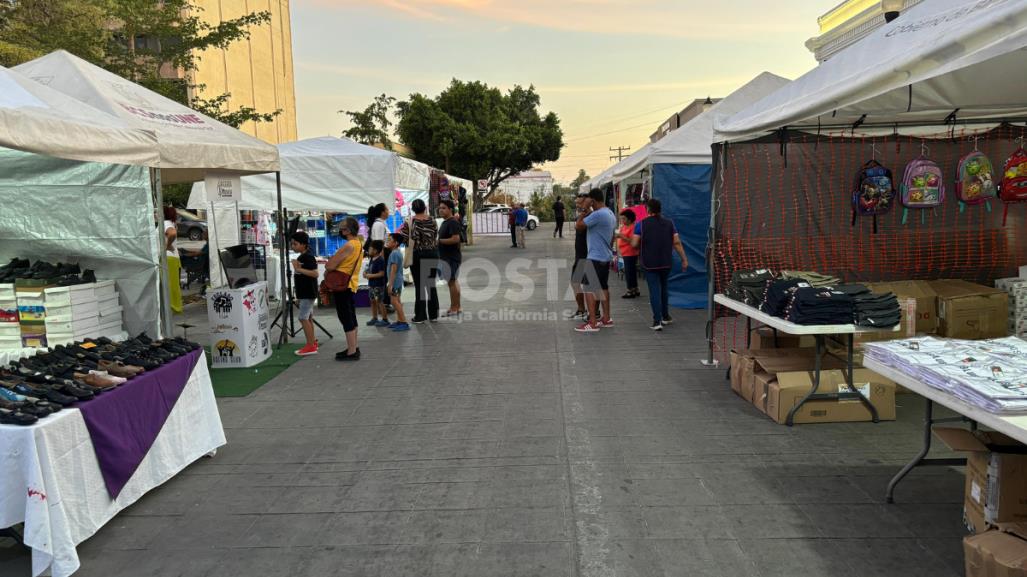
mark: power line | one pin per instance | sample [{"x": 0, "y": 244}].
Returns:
[
  {"x": 591, "y": 136},
  {"x": 633, "y": 116}
]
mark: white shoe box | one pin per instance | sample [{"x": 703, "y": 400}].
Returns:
[
  {"x": 105, "y": 289},
  {"x": 78, "y": 326},
  {"x": 70, "y": 295},
  {"x": 71, "y": 312}
]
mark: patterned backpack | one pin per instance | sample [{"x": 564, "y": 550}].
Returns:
[
  {"x": 975, "y": 183},
  {"x": 874, "y": 194},
  {"x": 1014, "y": 181},
  {"x": 922, "y": 186}
]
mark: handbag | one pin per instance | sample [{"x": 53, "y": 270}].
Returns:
[
  {"x": 338, "y": 281},
  {"x": 408, "y": 256}
]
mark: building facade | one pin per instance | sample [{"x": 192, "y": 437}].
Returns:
[
  {"x": 258, "y": 72},
  {"x": 679, "y": 119},
  {"x": 523, "y": 185},
  {"x": 846, "y": 24}
]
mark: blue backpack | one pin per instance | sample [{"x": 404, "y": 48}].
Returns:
[{"x": 874, "y": 192}]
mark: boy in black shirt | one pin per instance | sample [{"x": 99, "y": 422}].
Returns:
[
  {"x": 305, "y": 282},
  {"x": 449, "y": 254}
]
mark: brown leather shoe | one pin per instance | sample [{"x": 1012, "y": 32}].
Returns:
[
  {"x": 94, "y": 380},
  {"x": 119, "y": 369}
]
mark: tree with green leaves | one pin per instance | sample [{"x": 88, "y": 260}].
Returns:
[
  {"x": 480, "y": 132},
  {"x": 372, "y": 125},
  {"x": 582, "y": 178},
  {"x": 541, "y": 205}
]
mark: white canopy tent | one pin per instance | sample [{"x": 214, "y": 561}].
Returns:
[
  {"x": 190, "y": 143},
  {"x": 34, "y": 118},
  {"x": 930, "y": 65},
  {"x": 633, "y": 164},
  {"x": 325, "y": 173}
]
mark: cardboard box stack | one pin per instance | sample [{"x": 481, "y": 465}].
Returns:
[
  {"x": 1001, "y": 552},
  {"x": 996, "y": 477},
  {"x": 1016, "y": 288},
  {"x": 10, "y": 330},
  {"x": 71, "y": 313},
  {"x": 775, "y": 380},
  {"x": 31, "y": 312}
]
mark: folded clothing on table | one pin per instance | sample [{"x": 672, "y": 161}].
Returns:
[
  {"x": 749, "y": 286},
  {"x": 815, "y": 279},
  {"x": 778, "y": 294},
  {"x": 820, "y": 306},
  {"x": 877, "y": 310}
]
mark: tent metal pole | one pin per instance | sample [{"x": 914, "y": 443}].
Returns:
[
  {"x": 715, "y": 179},
  {"x": 283, "y": 288},
  {"x": 166, "y": 328}
]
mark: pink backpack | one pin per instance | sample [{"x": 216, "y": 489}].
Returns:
[{"x": 922, "y": 186}]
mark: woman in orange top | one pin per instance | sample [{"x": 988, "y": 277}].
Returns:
[
  {"x": 348, "y": 260},
  {"x": 628, "y": 252}
]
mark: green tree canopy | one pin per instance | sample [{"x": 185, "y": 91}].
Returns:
[
  {"x": 582, "y": 178},
  {"x": 479, "y": 132},
  {"x": 372, "y": 124}
]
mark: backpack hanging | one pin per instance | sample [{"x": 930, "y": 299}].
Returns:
[
  {"x": 975, "y": 181},
  {"x": 874, "y": 192},
  {"x": 922, "y": 186},
  {"x": 1014, "y": 181}
]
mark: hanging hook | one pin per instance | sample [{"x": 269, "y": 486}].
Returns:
[
  {"x": 924, "y": 149},
  {"x": 873, "y": 150},
  {"x": 975, "y": 138}
]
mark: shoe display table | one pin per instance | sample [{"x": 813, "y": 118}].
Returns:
[
  {"x": 51, "y": 477},
  {"x": 820, "y": 333}
]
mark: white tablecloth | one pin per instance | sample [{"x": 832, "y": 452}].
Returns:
[{"x": 50, "y": 479}]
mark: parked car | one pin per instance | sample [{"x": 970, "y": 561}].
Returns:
[
  {"x": 503, "y": 209},
  {"x": 190, "y": 225}
]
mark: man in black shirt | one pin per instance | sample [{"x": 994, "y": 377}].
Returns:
[
  {"x": 305, "y": 283},
  {"x": 449, "y": 253},
  {"x": 559, "y": 210}
]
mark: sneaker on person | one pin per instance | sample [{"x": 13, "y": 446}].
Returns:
[
  {"x": 579, "y": 315},
  {"x": 307, "y": 351},
  {"x": 399, "y": 327},
  {"x": 586, "y": 328},
  {"x": 607, "y": 324},
  {"x": 372, "y": 323},
  {"x": 667, "y": 320},
  {"x": 383, "y": 324},
  {"x": 657, "y": 326}
]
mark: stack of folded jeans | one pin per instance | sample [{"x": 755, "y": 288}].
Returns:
[
  {"x": 814, "y": 279},
  {"x": 820, "y": 306},
  {"x": 779, "y": 294},
  {"x": 880, "y": 311},
  {"x": 749, "y": 286}
]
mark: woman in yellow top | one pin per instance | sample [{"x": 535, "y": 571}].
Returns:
[{"x": 348, "y": 260}]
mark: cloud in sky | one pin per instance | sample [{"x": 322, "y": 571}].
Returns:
[{"x": 613, "y": 70}]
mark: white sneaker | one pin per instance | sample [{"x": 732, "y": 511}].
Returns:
[{"x": 657, "y": 327}]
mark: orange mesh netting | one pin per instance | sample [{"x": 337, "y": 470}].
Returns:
[{"x": 790, "y": 208}]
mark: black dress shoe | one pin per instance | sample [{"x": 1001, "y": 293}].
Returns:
[
  {"x": 8, "y": 417},
  {"x": 345, "y": 356}
]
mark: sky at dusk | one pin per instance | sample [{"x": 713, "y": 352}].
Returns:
[{"x": 613, "y": 70}]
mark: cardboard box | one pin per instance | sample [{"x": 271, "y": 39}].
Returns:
[
  {"x": 792, "y": 387},
  {"x": 996, "y": 477},
  {"x": 761, "y": 390},
  {"x": 763, "y": 338},
  {"x": 971, "y": 311},
  {"x": 926, "y": 309},
  {"x": 997, "y": 553},
  {"x": 745, "y": 365}
]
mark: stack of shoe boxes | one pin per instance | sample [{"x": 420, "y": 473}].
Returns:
[
  {"x": 109, "y": 304},
  {"x": 1017, "y": 290},
  {"x": 72, "y": 313},
  {"x": 10, "y": 330},
  {"x": 32, "y": 311}
]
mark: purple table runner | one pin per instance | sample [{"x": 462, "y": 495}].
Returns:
[{"x": 124, "y": 423}]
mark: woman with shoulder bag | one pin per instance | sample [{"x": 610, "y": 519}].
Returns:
[
  {"x": 423, "y": 234},
  {"x": 341, "y": 279}
]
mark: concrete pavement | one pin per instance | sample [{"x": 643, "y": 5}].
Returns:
[{"x": 518, "y": 447}]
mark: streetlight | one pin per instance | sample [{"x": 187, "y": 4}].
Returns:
[{"x": 891, "y": 9}]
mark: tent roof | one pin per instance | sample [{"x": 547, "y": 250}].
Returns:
[
  {"x": 632, "y": 164},
  {"x": 34, "y": 118},
  {"x": 691, "y": 144},
  {"x": 190, "y": 143},
  {"x": 324, "y": 173},
  {"x": 937, "y": 57}
]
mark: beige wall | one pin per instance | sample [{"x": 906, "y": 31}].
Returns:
[{"x": 257, "y": 72}]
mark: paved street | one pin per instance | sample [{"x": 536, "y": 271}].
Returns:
[{"x": 518, "y": 447}]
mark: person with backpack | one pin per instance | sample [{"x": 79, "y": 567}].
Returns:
[{"x": 657, "y": 239}]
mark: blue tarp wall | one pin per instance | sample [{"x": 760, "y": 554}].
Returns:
[{"x": 684, "y": 190}]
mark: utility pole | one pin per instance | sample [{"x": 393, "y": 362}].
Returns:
[{"x": 620, "y": 150}]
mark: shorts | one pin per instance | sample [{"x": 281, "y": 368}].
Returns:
[
  {"x": 377, "y": 293},
  {"x": 596, "y": 273},
  {"x": 306, "y": 309},
  {"x": 449, "y": 270},
  {"x": 398, "y": 290}
]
